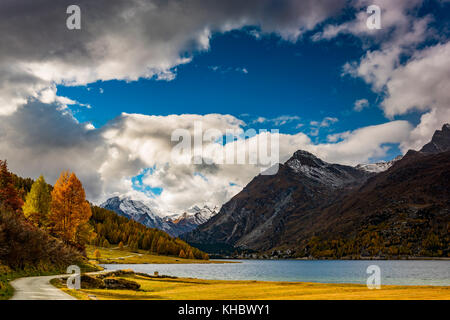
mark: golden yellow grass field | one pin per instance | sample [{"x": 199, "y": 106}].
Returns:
[
  {"x": 115, "y": 255},
  {"x": 197, "y": 289}
]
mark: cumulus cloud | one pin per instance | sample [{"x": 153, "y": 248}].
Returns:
[
  {"x": 364, "y": 144},
  {"x": 422, "y": 84}
]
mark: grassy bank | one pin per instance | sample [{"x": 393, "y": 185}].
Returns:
[
  {"x": 153, "y": 288},
  {"x": 124, "y": 256}
]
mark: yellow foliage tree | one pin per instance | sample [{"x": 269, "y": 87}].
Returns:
[
  {"x": 70, "y": 211},
  {"x": 97, "y": 254},
  {"x": 37, "y": 204}
]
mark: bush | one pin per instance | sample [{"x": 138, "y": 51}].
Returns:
[
  {"x": 117, "y": 273},
  {"x": 121, "y": 284},
  {"x": 97, "y": 254},
  {"x": 88, "y": 282}
]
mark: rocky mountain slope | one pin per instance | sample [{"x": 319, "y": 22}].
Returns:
[{"x": 312, "y": 208}]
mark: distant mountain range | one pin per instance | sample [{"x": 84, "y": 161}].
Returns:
[
  {"x": 311, "y": 208},
  {"x": 175, "y": 225}
]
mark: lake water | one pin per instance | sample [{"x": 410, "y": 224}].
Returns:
[{"x": 404, "y": 272}]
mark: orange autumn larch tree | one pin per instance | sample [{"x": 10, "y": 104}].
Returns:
[
  {"x": 9, "y": 197},
  {"x": 70, "y": 211}
]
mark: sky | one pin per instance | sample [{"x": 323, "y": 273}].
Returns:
[{"x": 103, "y": 101}]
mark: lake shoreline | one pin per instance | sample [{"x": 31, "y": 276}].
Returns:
[{"x": 345, "y": 259}]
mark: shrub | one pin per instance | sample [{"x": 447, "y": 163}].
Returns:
[
  {"x": 97, "y": 254},
  {"x": 88, "y": 282},
  {"x": 121, "y": 284}
]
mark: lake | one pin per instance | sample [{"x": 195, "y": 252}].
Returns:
[{"x": 399, "y": 272}]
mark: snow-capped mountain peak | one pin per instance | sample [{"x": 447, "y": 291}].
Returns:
[
  {"x": 334, "y": 175},
  {"x": 378, "y": 166},
  {"x": 197, "y": 215},
  {"x": 136, "y": 210},
  {"x": 174, "y": 225}
]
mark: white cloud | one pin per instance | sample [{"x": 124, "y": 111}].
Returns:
[
  {"x": 224, "y": 70},
  {"x": 423, "y": 83},
  {"x": 316, "y": 125},
  {"x": 282, "y": 120},
  {"x": 278, "y": 121},
  {"x": 364, "y": 144},
  {"x": 361, "y": 104}
]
